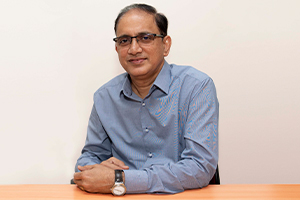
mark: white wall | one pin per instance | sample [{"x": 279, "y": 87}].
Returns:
[{"x": 54, "y": 54}]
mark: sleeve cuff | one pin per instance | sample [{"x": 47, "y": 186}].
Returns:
[{"x": 136, "y": 181}]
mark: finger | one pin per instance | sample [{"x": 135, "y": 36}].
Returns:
[
  {"x": 79, "y": 184},
  {"x": 86, "y": 167},
  {"x": 81, "y": 187},
  {"x": 120, "y": 165},
  {"x": 77, "y": 176},
  {"x": 114, "y": 163},
  {"x": 77, "y": 181}
]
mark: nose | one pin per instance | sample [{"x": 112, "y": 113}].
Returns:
[{"x": 134, "y": 47}]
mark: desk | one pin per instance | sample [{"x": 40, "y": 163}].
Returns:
[{"x": 219, "y": 192}]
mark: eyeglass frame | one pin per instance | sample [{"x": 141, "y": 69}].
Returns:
[{"x": 153, "y": 34}]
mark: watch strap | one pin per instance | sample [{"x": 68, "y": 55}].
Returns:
[{"x": 119, "y": 176}]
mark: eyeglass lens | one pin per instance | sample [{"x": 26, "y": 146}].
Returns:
[{"x": 141, "y": 39}]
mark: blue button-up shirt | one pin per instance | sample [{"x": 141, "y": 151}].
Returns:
[{"x": 169, "y": 139}]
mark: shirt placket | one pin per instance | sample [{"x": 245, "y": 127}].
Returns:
[{"x": 145, "y": 119}]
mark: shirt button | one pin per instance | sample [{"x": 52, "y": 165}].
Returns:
[
  {"x": 150, "y": 155},
  {"x": 147, "y": 130},
  {"x": 143, "y": 104}
]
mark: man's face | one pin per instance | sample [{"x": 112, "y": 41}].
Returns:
[{"x": 141, "y": 61}]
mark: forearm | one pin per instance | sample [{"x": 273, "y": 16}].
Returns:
[
  {"x": 194, "y": 170},
  {"x": 86, "y": 159},
  {"x": 97, "y": 146},
  {"x": 169, "y": 178}
]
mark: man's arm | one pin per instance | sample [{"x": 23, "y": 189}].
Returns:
[
  {"x": 93, "y": 153},
  {"x": 95, "y": 167},
  {"x": 199, "y": 158},
  {"x": 99, "y": 177}
]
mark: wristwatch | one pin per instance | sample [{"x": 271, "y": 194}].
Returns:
[{"x": 119, "y": 188}]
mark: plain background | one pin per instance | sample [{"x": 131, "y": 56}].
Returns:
[{"x": 54, "y": 54}]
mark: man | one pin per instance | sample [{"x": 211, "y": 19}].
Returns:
[{"x": 153, "y": 129}]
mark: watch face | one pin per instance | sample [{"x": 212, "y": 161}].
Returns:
[{"x": 119, "y": 190}]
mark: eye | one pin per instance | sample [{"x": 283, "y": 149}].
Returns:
[
  {"x": 123, "y": 40},
  {"x": 146, "y": 37}
]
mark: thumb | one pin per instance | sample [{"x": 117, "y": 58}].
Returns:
[
  {"x": 120, "y": 164},
  {"x": 86, "y": 167}
]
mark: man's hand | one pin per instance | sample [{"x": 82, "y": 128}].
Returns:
[
  {"x": 114, "y": 164},
  {"x": 100, "y": 177}
]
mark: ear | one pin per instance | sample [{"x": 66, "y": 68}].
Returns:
[
  {"x": 167, "y": 45},
  {"x": 116, "y": 48}
]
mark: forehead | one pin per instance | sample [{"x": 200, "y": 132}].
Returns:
[{"x": 136, "y": 21}]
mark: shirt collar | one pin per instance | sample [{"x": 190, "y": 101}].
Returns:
[
  {"x": 162, "y": 81},
  {"x": 126, "y": 89}
]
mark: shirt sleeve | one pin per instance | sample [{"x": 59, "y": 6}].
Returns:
[
  {"x": 97, "y": 145},
  {"x": 198, "y": 160}
]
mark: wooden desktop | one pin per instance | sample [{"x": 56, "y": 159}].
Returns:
[{"x": 219, "y": 192}]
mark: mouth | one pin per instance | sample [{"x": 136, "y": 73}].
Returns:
[{"x": 137, "y": 60}]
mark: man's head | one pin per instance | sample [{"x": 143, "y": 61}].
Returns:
[{"x": 142, "y": 41}]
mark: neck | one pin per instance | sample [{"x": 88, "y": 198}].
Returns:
[
  {"x": 141, "y": 87},
  {"x": 141, "y": 84}
]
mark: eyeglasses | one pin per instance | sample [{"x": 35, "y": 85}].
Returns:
[{"x": 142, "y": 39}]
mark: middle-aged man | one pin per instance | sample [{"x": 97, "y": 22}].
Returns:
[{"x": 153, "y": 129}]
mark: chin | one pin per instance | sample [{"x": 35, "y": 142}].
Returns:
[
  {"x": 138, "y": 73},
  {"x": 136, "y": 70}
]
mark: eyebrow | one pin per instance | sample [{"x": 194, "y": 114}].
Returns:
[{"x": 135, "y": 35}]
